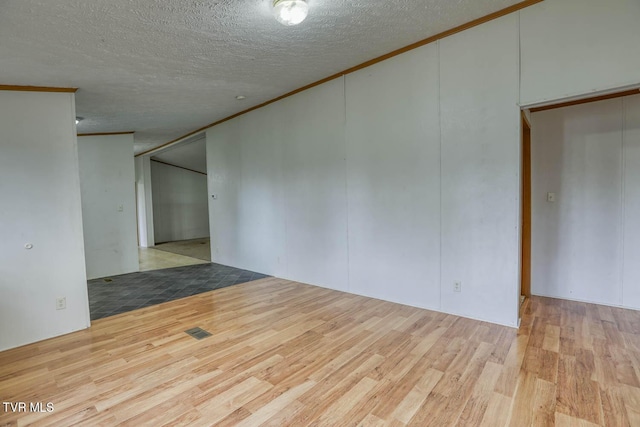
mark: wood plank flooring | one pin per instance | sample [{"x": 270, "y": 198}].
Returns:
[{"x": 286, "y": 354}]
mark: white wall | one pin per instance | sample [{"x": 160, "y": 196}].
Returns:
[
  {"x": 340, "y": 186},
  {"x": 631, "y": 199},
  {"x": 480, "y": 123},
  {"x": 575, "y": 47},
  {"x": 179, "y": 203},
  {"x": 393, "y": 170},
  {"x": 40, "y": 193},
  {"x": 144, "y": 201},
  {"x": 107, "y": 181},
  {"x": 313, "y": 173},
  {"x": 279, "y": 177},
  {"x": 432, "y": 171},
  {"x": 585, "y": 245}
]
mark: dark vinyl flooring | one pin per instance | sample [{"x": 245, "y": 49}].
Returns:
[{"x": 127, "y": 292}]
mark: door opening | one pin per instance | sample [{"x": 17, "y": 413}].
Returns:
[{"x": 525, "y": 262}]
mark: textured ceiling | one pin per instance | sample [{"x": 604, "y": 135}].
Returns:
[
  {"x": 163, "y": 68},
  {"x": 189, "y": 154}
]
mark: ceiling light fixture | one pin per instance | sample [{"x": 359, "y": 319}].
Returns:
[
  {"x": 290, "y": 12},
  {"x": 240, "y": 97},
  {"x": 79, "y": 119}
]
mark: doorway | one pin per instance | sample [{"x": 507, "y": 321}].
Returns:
[
  {"x": 180, "y": 207},
  {"x": 525, "y": 262}
]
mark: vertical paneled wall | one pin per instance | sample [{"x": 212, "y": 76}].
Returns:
[
  {"x": 480, "y": 170},
  {"x": 586, "y": 243},
  {"x": 223, "y": 182},
  {"x": 341, "y": 185},
  {"x": 107, "y": 178},
  {"x": 144, "y": 201},
  {"x": 575, "y": 47},
  {"x": 179, "y": 203},
  {"x": 278, "y": 177},
  {"x": 408, "y": 179},
  {"x": 631, "y": 198},
  {"x": 260, "y": 204},
  {"x": 393, "y": 179},
  {"x": 40, "y": 206},
  {"x": 313, "y": 173}
]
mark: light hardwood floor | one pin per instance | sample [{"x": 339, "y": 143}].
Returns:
[
  {"x": 287, "y": 354},
  {"x": 194, "y": 248},
  {"x": 153, "y": 259}
]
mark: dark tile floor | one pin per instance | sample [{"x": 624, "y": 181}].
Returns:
[{"x": 136, "y": 290}]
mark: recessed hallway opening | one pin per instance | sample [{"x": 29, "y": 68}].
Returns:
[
  {"x": 584, "y": 206},
  {"x": 175, "y": 254}
]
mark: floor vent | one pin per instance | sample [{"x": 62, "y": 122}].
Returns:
[{"x": 198, "y": 333}]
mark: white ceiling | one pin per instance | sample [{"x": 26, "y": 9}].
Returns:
[
  {"x": 163, "y": 68},
  {"x": 190, "y": 154}
]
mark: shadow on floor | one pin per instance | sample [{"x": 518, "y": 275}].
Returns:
[{"x": 127, "y": 292}]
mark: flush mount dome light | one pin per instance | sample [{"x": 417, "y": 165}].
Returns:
[{"x": 290, "y": 12}]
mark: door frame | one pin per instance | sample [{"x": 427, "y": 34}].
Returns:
[{"x": 525, "y": 250}]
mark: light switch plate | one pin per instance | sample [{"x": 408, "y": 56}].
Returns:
[{"x": 551, "y": 197}]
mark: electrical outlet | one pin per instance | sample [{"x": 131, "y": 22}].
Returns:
[
  {"x": 457, "y": 287},
  {"x": 61, "y": 303}
]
